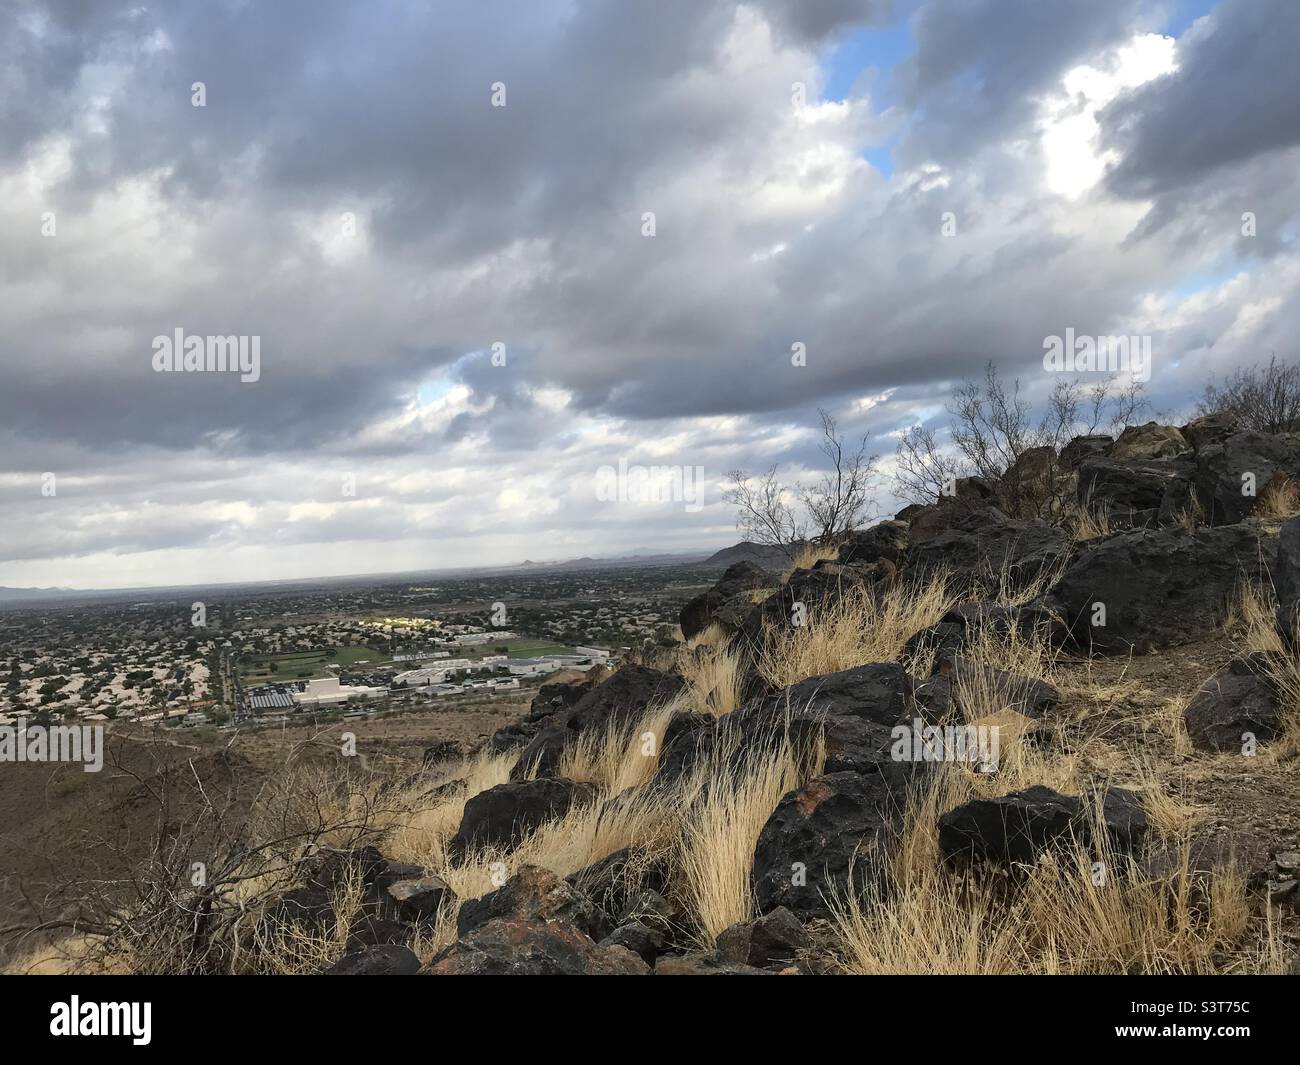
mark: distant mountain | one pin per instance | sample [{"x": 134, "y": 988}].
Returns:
[
  {"x": 772, "y": 558},
  {"x": 34, "y": 593}
]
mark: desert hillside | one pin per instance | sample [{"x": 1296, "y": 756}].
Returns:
[{"x": 965, "y": 740}]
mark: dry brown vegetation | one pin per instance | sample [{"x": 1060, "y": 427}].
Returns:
[{"x": 1082, "y": 910}]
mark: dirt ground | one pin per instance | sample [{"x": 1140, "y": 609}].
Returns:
[{"x": 50, "y": 814}]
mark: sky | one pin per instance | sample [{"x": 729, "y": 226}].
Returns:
[{"x": 527, "y": 280}]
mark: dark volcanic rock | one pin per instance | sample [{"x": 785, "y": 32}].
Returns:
[
  {"x": 642, "y": 940},
  {"x": 519, "y": 947},
  {"x": 1156, "y": 587},
  {"x": 875, "y": 692},
  {"x": 814, "y": 836},
  {"x": 1142, "y": 443},
  {"x": 942, "y": 639},
  {"x": 984, "y": 542},
  {"x": 773, "y": 939},
  {"x": 962, "y": 688},
  {"x": 620, "y": 699},
  {"x": 387, "y": 960},
  {"x": 738, "y": 579},
  {"x": 532, "y": 894},
  {"x": 1210, "y": 429},
  {"x": 1135, "y": 493},
  {"x": 888, "y": 540},
  {"x": 1239, "y": 701},
  {"x": 310, "y": 906},
  {"x": 614, "y": 882},
  {"x": 1232, "y": 474},
  {"x": 1084, "y": 447},
  {"x": 1016, "y": 827},
  {"x": 851, "y": 712},
  {"x": 420, "y": 899},
  {"x": 502, "y": 816},
  {"x": 1287, "y": 578},
  {"x": 624, "y": 697}
]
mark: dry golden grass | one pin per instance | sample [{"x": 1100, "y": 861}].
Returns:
[
  {"x": 1083, "y": 910},
  {"x": 619, "y": 757},
  {"x": 727, "y": 800},
  {"x": 1252, "y": 621},
  {"x": 862, "y": 627},
  {"x": 1279, "y": 500},
  {"x": 76, "y": 954},
  {"x": 421, "y": 833},
  {"x": 714, "y": 635},
  {"x": 714, "y": 679},
  {"x": 1089, "y": 522},
  {"x": 809, "y": 555}
]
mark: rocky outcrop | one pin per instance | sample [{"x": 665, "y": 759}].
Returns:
[
  {"x": 1142, "y": 443},
  {"x": 1136, "y": 493},
  {"x": 1016, "y": 827},
  {"x": 834, "y": 826},
  {"x": 984, "y": 542},
  {"x": 1232, "y": 473},
  {"x": 736, "y": 582},
  {"x": 502, "y": 816},
  {"x": 1236, "y": 706},
  {"x": 1151, "y": 588},
  {"x": 619, "y": 699},
  {"x": 774, "y": 939}
]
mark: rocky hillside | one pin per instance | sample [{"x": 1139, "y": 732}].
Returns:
[{"x": 969, "y": 739}]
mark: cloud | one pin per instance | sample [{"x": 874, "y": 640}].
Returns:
[{"x": 457, "y": 304}]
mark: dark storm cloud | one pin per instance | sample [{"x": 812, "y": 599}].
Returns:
[
  {"x": 523, "y": 225},
  {"x": 1233, "y": 98}
]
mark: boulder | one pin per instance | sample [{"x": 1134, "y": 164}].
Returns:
[
  {"x": 614, "y": 882},
  {"x": 962, "y": 689},
  {"x": 642, "y": 940},
  {"x": 1084, "y": 447},
  {"x": 875, "y": 692},
  {"x": 1017, "y": 827},
  {"x": 624, "y": 697},
  {"x": 1287, "y": 576},
  {"x": 834, "y": 823},
  {"x": 386, "y": 960},
  {"x": 984, "y": 542},
  {"x": 775, "y": 938},
  {"x": 1135, "y": 493},
  {"x": 620, "y": 699},
  {"x": 532, "y": 894},
  {"x": 736, "y": 580},
  {"x": 1141, "y": 443},
  {"x": 520, "y": 947},
  {"x": 1210, "y": 429},
  {"x": 419, "y": 900},
  {"x": 888, "y": 540},
  {"x": 1149, "y": 588},
  {"x": 964, "y": 621},
  {"x": 850, "y": 713},
  {"x": 1239, "y": 701},
  {"x": 502, "y": 816},
  {"x": 1232, "y": 474}
]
